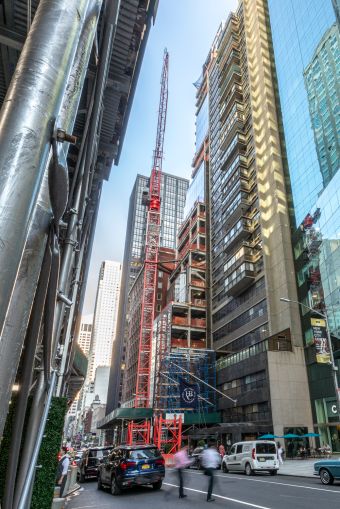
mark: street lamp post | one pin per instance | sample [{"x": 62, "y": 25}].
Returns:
[{"x": 334, "y": 367}]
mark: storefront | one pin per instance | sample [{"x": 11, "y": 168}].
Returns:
[{"x": 328, "y": 423}]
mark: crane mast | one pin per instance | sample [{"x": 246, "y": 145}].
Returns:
[{"x": 151, "y": 250}]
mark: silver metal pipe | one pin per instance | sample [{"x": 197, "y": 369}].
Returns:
[
  {"x": 26, "y": 120},
  {"x": 18, "y": 314},
  {"x": 68, "y": 118},
  {"x": 27, "y": 487},
  {"x": 35, "y": 416},
  {"x": 89, "y": 159}
]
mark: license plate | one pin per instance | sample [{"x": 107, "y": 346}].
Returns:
[
  {"x": 262, "y": 459},
  {"x": 145, "y": 467}
]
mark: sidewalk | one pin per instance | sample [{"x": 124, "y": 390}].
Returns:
[{"x": 301, "y": 468}]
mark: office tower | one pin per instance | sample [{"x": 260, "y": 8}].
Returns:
[
  {"x": 173, "y": 192},
  {"x": 105, "y": 316},
  {"x": 259, "y": 347},
  {"x": 305, "y": 37},
  {"x": 85, "y": 333}
]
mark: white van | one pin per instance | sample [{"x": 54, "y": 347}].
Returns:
[{"x": 251, "y": 457}]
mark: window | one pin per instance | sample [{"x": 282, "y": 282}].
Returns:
[{"x": 239, "y": 449}]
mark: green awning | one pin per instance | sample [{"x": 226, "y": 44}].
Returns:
[
  {"x": 201, "y": 418},
  {"x": 130, "y": 414}
]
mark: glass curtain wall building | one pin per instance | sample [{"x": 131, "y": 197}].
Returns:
[
  {"x": 258, "y": 347},
  {"x": 173, "y": 193},
  {"x": 305, "y": 36}
]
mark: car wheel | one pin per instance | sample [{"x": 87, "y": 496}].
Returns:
[
  {"x": 115, "y": 488},
  {"x": 99, "y": 483},
  {"x": 248, "y": 470},
  {"x": 157, "y": 485},
  {"x": 273, "y": 472},
  {"x": 326, "y": 477},
  {"x": 224, "y": 468}
]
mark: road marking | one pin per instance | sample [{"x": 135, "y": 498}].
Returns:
[
  {"x": 226, "y": 476},
  {"x": 220, "y": 496}
]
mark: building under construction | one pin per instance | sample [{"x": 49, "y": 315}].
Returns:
[{"x": 195, "y": 366}]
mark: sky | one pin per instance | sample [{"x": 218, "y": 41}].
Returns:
[{"x": 187, "y": 29}]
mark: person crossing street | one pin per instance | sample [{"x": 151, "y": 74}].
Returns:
[
  {"x": 182, "y": 461},
  {"x": 210, "y": 461}
]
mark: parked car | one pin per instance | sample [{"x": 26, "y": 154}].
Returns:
[
  {"x": 328, "y": 470},
  {"x": 195, "y": 458},
  {"x": 88, "y": 464},
  {"x": 250, "y": 457},
  {"x": 131, "y": 465}
]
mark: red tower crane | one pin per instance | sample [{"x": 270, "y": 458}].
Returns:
[{"x": 151, "y": 250}]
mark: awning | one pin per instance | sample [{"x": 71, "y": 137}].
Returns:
[{"x": 129, "y": 414}]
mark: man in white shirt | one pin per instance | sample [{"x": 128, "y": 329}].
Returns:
[
  {"x": 210, "y": 460},
  {"x": 63, "y": 465}
]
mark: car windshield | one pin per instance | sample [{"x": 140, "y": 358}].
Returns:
[
  {"x": 265, "y": 449},
  {"x": 144, "y": 454},
  {"x": 99, "y": 453}
]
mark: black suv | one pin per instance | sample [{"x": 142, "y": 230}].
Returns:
[
  {"x": 131, "y": 465},
  {"x": 88, "y": 465}
]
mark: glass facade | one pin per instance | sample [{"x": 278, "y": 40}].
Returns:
[
  {"x": 297, "y": 30},
  {"x": 195, "y": 190},
  {"x": 202, "y": 122},
  {"x": 322, "y": 77},
  {"x": 306, "y": 47}
]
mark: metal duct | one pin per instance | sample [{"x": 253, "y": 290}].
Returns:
[{"x": 26, "y": 120}]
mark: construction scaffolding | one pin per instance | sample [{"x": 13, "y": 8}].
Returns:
[{"x": 174, "y": 367}]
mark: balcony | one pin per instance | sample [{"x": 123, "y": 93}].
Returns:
[
  {"x": 239, "y": 280},
  {"x": 179, "y": 343},
  {"x": 198, "y": 283},
  {"x": 237, "y": 210},
  {"x": 241, "y": 231},
  {"x": 229, "y": 130},
  {"x": 198, "y": 322},
  {"x": 234, "y": 75},
  {"x": 180, "y": 320},
  {"x": 198, "y": 344},
  {"x": 200, "y": 303},
  {"x": 199, "y": 265},
  {"x": 183, "y": 234}
]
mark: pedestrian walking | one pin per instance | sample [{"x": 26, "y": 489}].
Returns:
[
  {"x": 221, "y": 450},
  {"x": 210, "y": 461},
  {"x": 182, "y": 461},
  {"x": 63, "y": 465},
  {"x": 279, "y": 453}
]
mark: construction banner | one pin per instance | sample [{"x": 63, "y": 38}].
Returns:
[
  {"x": 321, "y": 340},
  {"x": 188, "y": 394}
]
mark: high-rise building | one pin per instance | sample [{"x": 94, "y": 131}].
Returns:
[
  {"x": 306, "y": 48},
  {"x": 173, "y": 192},
  {"x": 85, "y": 333},
  {"x": 105, "y": 316},
  {"x": 259, "y": 347}
]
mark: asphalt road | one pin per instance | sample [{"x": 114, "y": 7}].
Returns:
[{"x": 230, "y": 491}]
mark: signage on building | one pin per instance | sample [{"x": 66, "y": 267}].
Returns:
[
  {"x": 332, "y": 410},
  {"x": 188, "y": 394},
  {"x": 320, "y": 340}
]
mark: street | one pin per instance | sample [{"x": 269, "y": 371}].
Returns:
[{"x": 230, "y": 490}]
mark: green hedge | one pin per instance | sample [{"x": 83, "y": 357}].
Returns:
[
  {"x": 5, "y": 445},
  {"x": 48, "y": 456}
]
